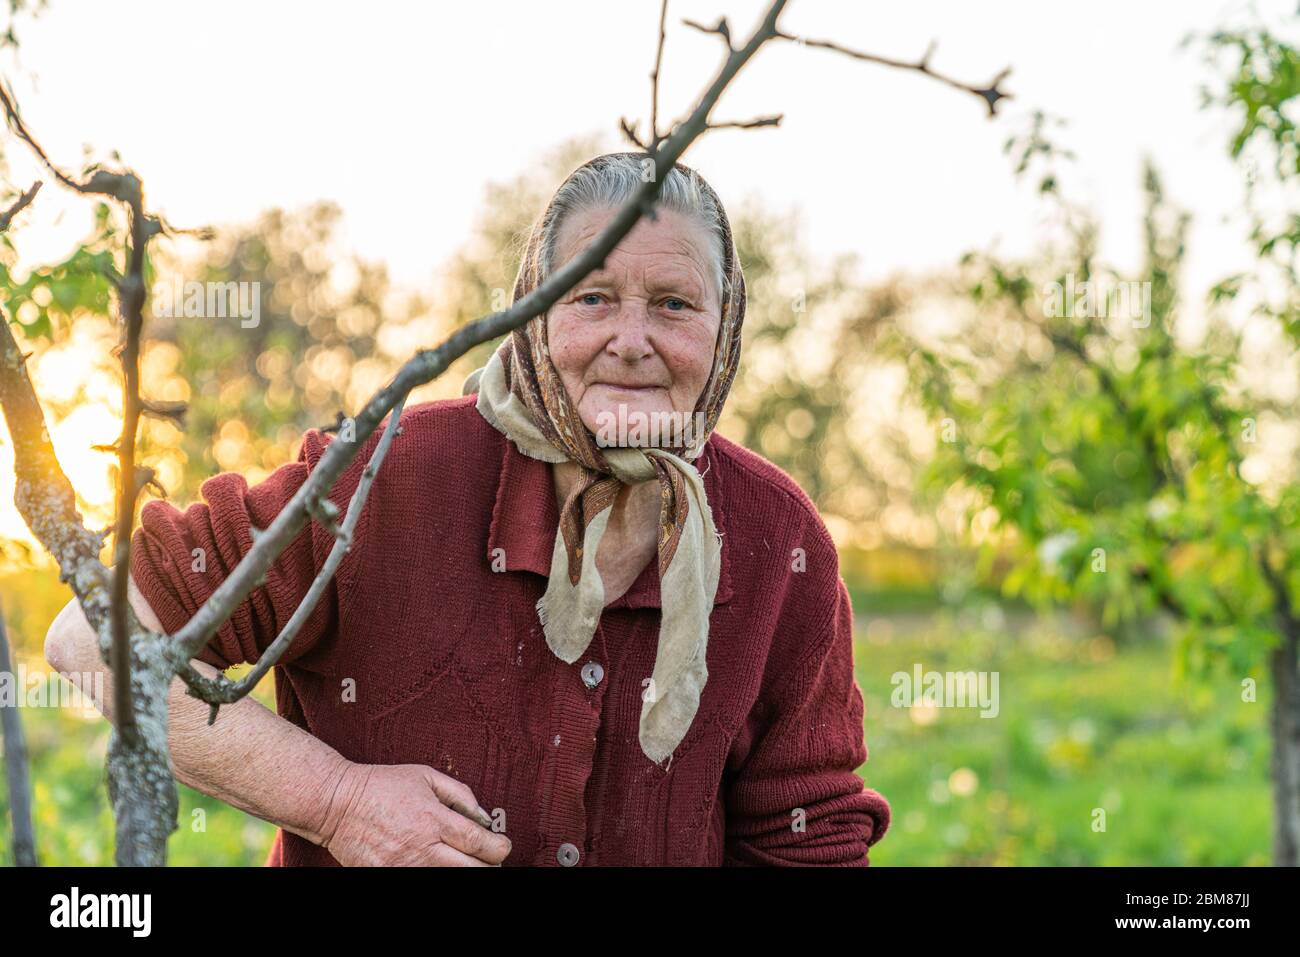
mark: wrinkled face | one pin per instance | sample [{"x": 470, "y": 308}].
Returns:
[{"x": 640, "y": 332}]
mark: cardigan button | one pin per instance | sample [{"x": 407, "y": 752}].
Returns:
[
  {"x": 592, "y": 672},
  {"x": 567, "y": 855}
]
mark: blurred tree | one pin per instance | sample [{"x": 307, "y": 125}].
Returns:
[
  {"x": 1123, "y": 465},
  {"x": 1261, "y": 87},
  {"x": 313, "y": 352},
  {"x": 808, "y": 395},
  {"x": 479, "y": 278}
]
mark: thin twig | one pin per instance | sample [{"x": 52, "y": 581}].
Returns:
[
  {"x": 991, "y": 94},
  {"x": 220, "y": 690},
  {"x": 654, "y": 77},
  {"x": 630, "y": 132},
  {"x": 131, "y": 298},
  {"x": 749, "y": 124},
  {"x": 123, "y": 186},
  {"x": 721, "y": 28},
  {"x": 16, "y": 773},
  {"x": 22, "y": 203}
]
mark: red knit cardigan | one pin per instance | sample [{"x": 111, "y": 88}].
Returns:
[{"x": 432, "y": 620}]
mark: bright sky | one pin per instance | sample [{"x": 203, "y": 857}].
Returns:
[{"x": 402, "y": 113}]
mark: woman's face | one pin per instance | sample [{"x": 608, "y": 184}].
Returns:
[{"x": 639, "y": 333}]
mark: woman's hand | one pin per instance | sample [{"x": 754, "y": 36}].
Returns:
[{"x": 409, "y": 815}]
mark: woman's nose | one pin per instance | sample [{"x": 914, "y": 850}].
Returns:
[{"x": 631, "y": 339}]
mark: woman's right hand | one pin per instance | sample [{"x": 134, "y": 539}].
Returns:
[{"x": 409, "y": 815}]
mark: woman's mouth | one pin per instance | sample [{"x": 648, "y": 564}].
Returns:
[{"x": 633, "y": 389}]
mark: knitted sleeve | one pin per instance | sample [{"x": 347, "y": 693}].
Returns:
[
  {"x": 178, "y": 558},
  {"x": 798, "y": 799}
]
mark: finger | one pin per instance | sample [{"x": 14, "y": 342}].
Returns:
[
  {"x": 443, "y": 855},
  {"x": 458, "y": 797},
  {"x": 469, "y": 809},
  {"x": 466, "y": 836}
]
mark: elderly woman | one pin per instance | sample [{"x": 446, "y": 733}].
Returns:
[{"x": 552, "y": 642}]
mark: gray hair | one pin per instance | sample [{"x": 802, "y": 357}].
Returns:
[{"x": 612, "y": 183}]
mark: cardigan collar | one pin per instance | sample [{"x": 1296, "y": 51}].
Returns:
[{"x": 526, "y": 519}]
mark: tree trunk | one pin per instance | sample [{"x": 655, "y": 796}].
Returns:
[
  {"x": 15, "y": 748},
  {"x": 1286, "y": 750},
  {"x": 140, "y": 782}
]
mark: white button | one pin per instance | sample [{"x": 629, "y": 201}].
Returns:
[
  {"x": 567, "y": 855},
  {"x": 592, "y": 672}
]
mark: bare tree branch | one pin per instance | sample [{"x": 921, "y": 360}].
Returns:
[
  {"x": 654, "y": 76},
  {"x": 221, "y": 690},
  {"x": 992, "y": 94},
  {"x": 721, "y": 28},
  {"x": 43, "y": 494},
  {"x": 15, "y": 748},
  {"x": 22, "y": 203},
  {"x": 774, "y": 120},
  {"x": 630, "y": 132},
  {"x": 127, "y": 189},
  {"x": 122, "y": 186},
  {"x": 427, "y": 365},
  {"x": 628, "y": 128},
  {"x": 131, "y": 299},
  {"x": 140, "y": 784}
]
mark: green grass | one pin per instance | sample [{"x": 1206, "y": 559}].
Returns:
[
  {"x": 1180, "y": 770},
  {"x": 72, "y": 819},
  {"x": 73, "y": 822}
]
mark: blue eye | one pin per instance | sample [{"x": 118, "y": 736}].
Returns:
[
  {"x": 590, "y": 295},
  {"x": 681, "y": 303}
]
